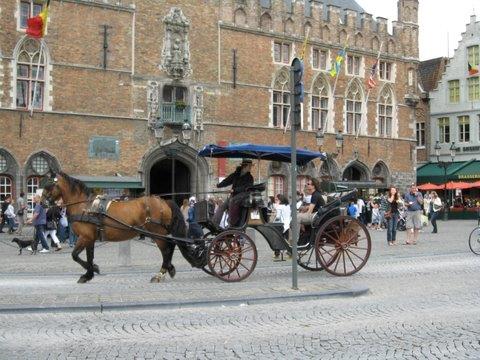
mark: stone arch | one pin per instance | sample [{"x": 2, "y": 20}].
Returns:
[
  {"x": 307, "y": 29},
  {"x": 375, "y": 43},
  {"x": 386, "y": 119},
  {"x": 280, "y": 170},
  {"x": 240, "y": 17},
  {"x": 321, "y": 103},
  {"x": 342, "y": 37},
  {"x": 329, "y": 170},
  {"x": 356, "y": 171},
  {"x": 391, "y": 46},
  {"x": 198, "y": 166},
  {"x": 266, "y": 22},
  {"x": 40, "y": 163},
  {"x": 359, "y": 40},
  {"x": 381, "y": 173},
  {"x": 354, "y": 97},
  {"x": 31, "y": 52},
  {"x": 8, "y": 163},
  {"x": 325, "y": 33},
  {"x": 289, "y": 26}
]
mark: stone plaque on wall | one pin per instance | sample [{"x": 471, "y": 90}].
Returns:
[{"x": 104, "y": 147}]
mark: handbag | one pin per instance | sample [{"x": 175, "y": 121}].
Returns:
[
  {"x": 388, "y": 214},
  {"x": 51, "y": 225}
]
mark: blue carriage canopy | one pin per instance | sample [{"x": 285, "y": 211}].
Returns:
[{"x": 260, "y": 152}]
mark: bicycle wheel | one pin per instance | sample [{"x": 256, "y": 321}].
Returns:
[{"x": 474, "y": 241}]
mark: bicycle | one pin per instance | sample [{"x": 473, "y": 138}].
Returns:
[{"x": 474, "y": 240}]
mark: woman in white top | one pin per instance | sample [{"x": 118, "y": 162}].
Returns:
[
  {"x": 283, "y": 215},
  {"x": 10, "y": 215},
  {"x": 437, "y": 206}
]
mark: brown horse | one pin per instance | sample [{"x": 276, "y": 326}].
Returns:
[{"x": 149, "y": 213}]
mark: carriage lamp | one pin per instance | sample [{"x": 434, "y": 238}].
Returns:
[
  {"x": 339, "y": 140},
  {"x": 320, "y": 137},
  {"x": 186, "y": 131}
]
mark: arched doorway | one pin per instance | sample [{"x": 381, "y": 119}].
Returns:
[
  {"x": 170, "y": 176},
  {"x": 174, "y": 168},
  {"x": 355, "y": 171}
]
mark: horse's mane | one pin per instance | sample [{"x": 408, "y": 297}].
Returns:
[{"x": 75, "y": 184}]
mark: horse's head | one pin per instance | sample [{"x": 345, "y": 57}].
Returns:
[{"x": 51, "y": 190}]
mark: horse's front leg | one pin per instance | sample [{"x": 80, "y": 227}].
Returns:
[
  {"x": 88, "y": 265},
  {"x": 166, "y": 249}
]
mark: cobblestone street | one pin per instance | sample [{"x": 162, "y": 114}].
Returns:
[{"x": 422, "y": 304}]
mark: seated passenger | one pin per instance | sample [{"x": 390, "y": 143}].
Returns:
[
  {"x": 307, "y": 213},
  {"x": 241, "y": 179}
]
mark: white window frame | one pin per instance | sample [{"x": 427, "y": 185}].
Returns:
[
  {"x": 420, "y": 133},
  {"x": 464, "y": 129},
  {"x": 443, "y": 126},
  {"x": 276, "y": 185},
  {"x": 353, "y": 65},
  {"x": 282, "y": 46},
  {"x": 385, "y": 70}
]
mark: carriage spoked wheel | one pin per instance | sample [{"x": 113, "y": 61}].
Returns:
[
  {"x": 232, "y": 256},
  {"x": 474, "y": 241},
  {"x": 208, "y": 236},
  {"x": 343, "y": 245},
  {"x": 307, "y": 259}
]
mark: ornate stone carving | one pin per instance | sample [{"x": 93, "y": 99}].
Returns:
[
  {"x": 176, "y": 53},
  {"x": 198, "y": 108},
  {"x": 152, "y": 101}
]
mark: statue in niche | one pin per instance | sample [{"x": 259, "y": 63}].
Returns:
[{"x": 176, "y": 53}]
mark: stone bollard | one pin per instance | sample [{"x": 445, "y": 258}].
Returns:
[{"x": 124, "y": 253}]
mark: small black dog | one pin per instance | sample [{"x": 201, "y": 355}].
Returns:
[{"x": 22, "y": 244}]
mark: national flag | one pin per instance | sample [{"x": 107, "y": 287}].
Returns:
[
  {"x": 472, "y": 70},
  {"x": 37, "y": 25},
  {"x": 336, "y": 65},
  {"x": 371, "y": 83}
]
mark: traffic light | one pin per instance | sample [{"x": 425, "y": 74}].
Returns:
[{"x": 297, "y": 71}]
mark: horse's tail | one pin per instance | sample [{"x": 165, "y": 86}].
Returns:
[{"x": 178, "y": 227}]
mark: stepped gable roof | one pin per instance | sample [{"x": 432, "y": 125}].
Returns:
[{"x": 431, "y": 71}]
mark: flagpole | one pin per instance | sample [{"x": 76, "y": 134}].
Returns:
[
  {"x": 32, "y": 99},
  {"x": 364, "y": 113},
  {"x": 330, "y": 113}
]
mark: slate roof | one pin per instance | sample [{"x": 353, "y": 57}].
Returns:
[
  {"x": 344, "y": 4},
  {"x": 430, "y": 72}
]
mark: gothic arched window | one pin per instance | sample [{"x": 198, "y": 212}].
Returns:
[
  {"x": 30, "y": 74},
  {"x": 354, "y": 108},
  {"x": 281, "y": 99},
  {"x": 319, "y": 103},
  {"x": 385, "y": 112}
]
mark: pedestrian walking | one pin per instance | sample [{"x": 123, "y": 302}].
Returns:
[
  {"x": 4, "y": 207},
  {"x": 427, "y": 204},
  {"x": 436, "y": 207},
  {"x": 413, "y": 202},
  {"x": 9, "y": 215},
  {"x": 283, "y": 215},
  {"x": 53, "y": 217},
  {"x": 361, "y": 210},
  {"x": 391, "y": 215},
  {"x": 194, "y": 229},
  {"x": 39, "y": 221},
  {"x": 62, "y": 229},
  {"x": 21, "y": 209}
]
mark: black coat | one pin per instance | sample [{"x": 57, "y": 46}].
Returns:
[{"x": 240, "y": 183}]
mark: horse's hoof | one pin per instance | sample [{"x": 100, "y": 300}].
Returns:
[
  {"x": 96, "y": 269},
  {"x": 156, "y": 279},
  {"x": 82, "y": 280},
  {"x": 172, "y": 272}
]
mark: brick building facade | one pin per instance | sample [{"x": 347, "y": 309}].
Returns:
[{"x": 119, "y": 79}]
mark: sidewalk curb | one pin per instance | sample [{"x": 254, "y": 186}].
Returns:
[{"x": 115, "y": 306}]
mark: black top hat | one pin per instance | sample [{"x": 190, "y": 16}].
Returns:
[{"x": 246, "y": 162}]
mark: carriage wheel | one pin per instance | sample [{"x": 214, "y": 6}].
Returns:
[
  {"x": 307, "y": 259},
  {"x": 474, "y": 241},
  {"x": 343, "y": 245},
  {"x": 208, "y": 237},
  {"x": 232, "y": 256}
]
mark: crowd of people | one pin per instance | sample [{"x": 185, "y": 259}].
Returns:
[{"x": 49, "y": 223}]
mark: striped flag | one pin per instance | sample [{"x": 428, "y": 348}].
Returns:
[
  {"x": 37, "y": 25},
  {"x": 371, "y": 83}
]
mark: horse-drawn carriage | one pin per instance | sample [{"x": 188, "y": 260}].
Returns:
[{"x": 339, "y": 244}]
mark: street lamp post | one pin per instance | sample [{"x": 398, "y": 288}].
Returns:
[{"x": 445, "y": 165}]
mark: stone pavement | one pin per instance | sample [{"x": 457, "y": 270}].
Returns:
[{"x": 48, "y": 281}]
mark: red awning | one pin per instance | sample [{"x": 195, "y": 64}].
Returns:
[
  {"x": 453, "y": 185},
  {"x": 430, "y": 186}
]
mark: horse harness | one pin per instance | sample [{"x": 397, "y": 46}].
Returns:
[{"x": 97, "y": 213}]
